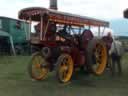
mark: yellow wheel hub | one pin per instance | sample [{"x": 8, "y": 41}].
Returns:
[{"x": 64, "y": 68}]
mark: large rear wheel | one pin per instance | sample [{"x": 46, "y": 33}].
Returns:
[
  {"x": 38, "y": 67},
  {"x": 64, "y": 68},
  {"x": 97, "y": 56}
]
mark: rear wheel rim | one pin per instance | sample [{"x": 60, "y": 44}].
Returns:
[{"x": 100, "y": 55}]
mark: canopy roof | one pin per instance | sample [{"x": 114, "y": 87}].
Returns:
[
  {"x": 126, "y": 13},
  {"x": 35, "y": 14}
]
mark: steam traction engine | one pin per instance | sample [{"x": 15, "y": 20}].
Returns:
[{"x": 61, "y": 42}]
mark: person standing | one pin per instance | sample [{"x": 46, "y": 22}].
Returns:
[
  {"x": 108, "y": 39},
  {"x": 116, "y": 52}
]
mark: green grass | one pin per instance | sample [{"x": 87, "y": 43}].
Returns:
[{"x": 15, "y": 81}]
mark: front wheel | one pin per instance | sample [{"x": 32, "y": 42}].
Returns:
[
  {"x": 64, "y": 68},
  {"x": 38, "y": 67}
]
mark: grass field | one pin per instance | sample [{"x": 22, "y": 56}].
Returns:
[{"x": 15, "y": 81}]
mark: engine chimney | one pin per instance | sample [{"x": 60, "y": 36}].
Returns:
[{"x": 53, "y": 4}]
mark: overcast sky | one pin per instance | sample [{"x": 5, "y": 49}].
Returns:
[{"x": 101, "y": 9}]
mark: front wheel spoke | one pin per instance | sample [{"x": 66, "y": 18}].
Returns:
[
  {"x": 97, "y": 50},
  {"x": 43, "y": 71},
  {"x": 64, "y": 61},
  {"x": 63, "y": 71},
  {"x": 98, "y": 61},
  {"x": 37, "y": 60},
  {"x": 99, "y": 47},
  {"x": 37, "y": 66},
  {"x": 64, "y": 74}
]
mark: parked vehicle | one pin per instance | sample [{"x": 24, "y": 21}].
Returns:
[{"x": 18, "y": 30}]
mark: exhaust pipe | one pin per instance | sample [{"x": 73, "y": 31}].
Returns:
[{"x": 53, "y": 4}]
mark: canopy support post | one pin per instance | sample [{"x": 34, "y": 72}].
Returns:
[
  {"x": 103, "y": 31},
  {"x": 45, "y": 30},
  {"x": 41, "y": 33},
  {"x": 99, "y": 31},
  {"x": 29, "y": 28}
]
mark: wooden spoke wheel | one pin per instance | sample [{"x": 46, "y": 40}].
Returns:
[
  {"x": 64, "y": 68},
  {"x": 97, "y": 56},
  {"x": 38, "y": 67}
]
